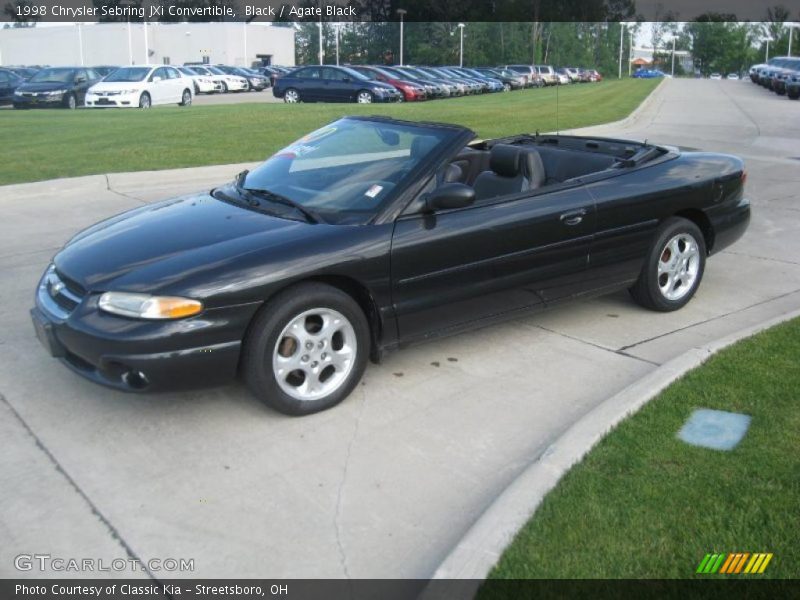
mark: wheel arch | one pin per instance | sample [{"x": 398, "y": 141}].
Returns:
[
  {"x": 699, "y": 218},
  {"x": 353, "y": 288}
]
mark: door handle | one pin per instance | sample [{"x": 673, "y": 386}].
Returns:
[{"x": 573, "y": 217}]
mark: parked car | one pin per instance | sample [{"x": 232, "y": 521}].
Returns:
[
  {"x": 203, "y": 83},
  {"x": 104, "y": 70},
  {"x": 141, "y": 86},
  {"x": 547, "y": 73},
  {"x": 532, "y": 77},
  {"x": 448, "y": 88},
  {"x": 432, "y": 88},
  {"x": 563, "y": 76},
  {"x": 228, "y": 82},
  {"x": 732, "y": 77},
  {"x": 594, "y": 75},
  {"x": 24, "y": 72},
  {"x": 715, "y": 76},
  {"x": 332, "y": 84},
  {"x": 782, "y": 71},
  {"x": 793, "y": 86},
  {"x": 9, "y": 82},
  {"x": 647, "y": 73},
  {"x": 494, "y": 84},
  {"x": 409, "y": 90},
  {"x": 370, "y": 234},
  {"x": 510, "y": 79},
  {"x": 253, "y": 81},
  {"x": 55, "y": 87}
]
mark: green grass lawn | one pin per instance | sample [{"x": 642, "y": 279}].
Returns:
[
  {"x": 643, "y": 504},
  {"x": 45, "y": 144}
]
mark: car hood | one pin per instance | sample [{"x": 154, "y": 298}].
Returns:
[
  {"x": 156, "y": 247},
  {"x": 43, "y": 87}
]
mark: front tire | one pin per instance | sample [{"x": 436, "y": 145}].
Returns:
[
  {"x": 306, "y": 349},
  {"x": 186, "y": 98},
  {"x": 364, "y": 97},
  {"x": 291, "y": 96},
  {"x": 71, "y": 102},
  {"x": 674, "y": 267},
  {"x": 145, "y": 101},
  {"x": 224, "y": 88}
]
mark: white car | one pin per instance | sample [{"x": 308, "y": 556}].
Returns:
[
  {"x": 229, "y": 83},
  {"x": 733, "y": 77},
  {"x": 141, "y": 86},
  {"x": 715, "y": 76},
  {"x": 203, "y": 84}
]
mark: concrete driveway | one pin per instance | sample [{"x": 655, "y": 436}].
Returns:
[{"x": 386, "y": 483}]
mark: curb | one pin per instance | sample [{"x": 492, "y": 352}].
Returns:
[{"x": 481, "y": 547}]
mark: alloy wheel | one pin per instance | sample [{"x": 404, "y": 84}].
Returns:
[
  {"x": 314, "y": 354},
  {"x": 678, "y": 266},
  {"x": 291, "y": 96},
  {"x": 364, "y": 98}
]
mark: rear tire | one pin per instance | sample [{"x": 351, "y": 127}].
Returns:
[
  {"x": 291, "y": 96},
  {"x": 306, "y": 350},
  {"x": 673, "y": 268}
]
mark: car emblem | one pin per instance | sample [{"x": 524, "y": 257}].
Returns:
[{"x": 55, "y": 288}]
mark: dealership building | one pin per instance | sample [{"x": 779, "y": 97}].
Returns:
[{"x": 229, "y": 43}]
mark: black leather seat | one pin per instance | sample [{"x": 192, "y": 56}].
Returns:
[{"x": 514, "y": 169}]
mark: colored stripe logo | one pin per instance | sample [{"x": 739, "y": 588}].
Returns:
[{"x": 734, "y": 563}]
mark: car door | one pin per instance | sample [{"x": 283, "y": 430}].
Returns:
[
  {"x": 308, "y": 83},
  {"x": 459, "y": 266},
  {"x": 176, "y": 84},
  {"x": 338, "y": 86},
  {"x": 159, "y": 86},
  {"x": 5, "y": 87}
]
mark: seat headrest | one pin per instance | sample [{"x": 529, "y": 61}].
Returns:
[
  {"x": 504, "y": 160},
  {"x": 452, "y": 174},
  {"x": 511, "y": 161}
]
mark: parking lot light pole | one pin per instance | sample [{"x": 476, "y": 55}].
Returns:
[
  {"x": 80, "y": 42},
  {"x": 630, "y": 50},
  {"x": 461, "y": 46},
  {"x": 622, "y": 27},
  {"x": 791, "y": 27},
  {"x": 402, "y": 12},
  {"x": 336, "y": 30},
  {"x": 766, "y": 55},
  {"x": 673, "y": 38}
]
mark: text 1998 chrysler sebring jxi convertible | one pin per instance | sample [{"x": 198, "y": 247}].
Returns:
[{"x": 372, "y": 233}]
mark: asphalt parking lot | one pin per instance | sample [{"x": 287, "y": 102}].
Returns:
[
  {"x": 385, "y": 484},
  {"x": 236, "y": 98}
]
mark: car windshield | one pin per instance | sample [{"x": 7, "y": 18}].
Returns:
[
  {"x": 348, "y": 170},
  {"x": 187, "y": 71},
  {"x": 54, "y": 76},
  {"x": 216, "y": 71},
  {"x": 128, "y": 74},
  {"x": 199, "y": 70}
]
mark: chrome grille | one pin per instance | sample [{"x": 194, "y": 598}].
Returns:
[{"x": 59, "y": 295}]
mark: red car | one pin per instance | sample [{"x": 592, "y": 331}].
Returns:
[
  {"x": 594, "y": 75},
  {"x": 412, "y": 92}
]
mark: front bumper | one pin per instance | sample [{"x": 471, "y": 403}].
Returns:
[
  {"x": 135, "y": 355},
  {"x": 128, "y": 100},
  {"x": 34, "y": 100}
]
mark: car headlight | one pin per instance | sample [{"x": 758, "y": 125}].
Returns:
[
  {"x": 144, "y": 306},
  {"x": 57, "y": 93},
  {"x": 17, "y": 93}
]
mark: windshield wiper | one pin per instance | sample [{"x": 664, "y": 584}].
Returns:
[{"x": 310, "y": 215}]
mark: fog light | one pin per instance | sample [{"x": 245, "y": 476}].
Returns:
[{"x": 135, "y": 379}]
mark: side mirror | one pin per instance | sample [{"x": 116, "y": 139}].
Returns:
[
  {"x": 80, "y": 79},
  {"x": 450, "y": 195}
]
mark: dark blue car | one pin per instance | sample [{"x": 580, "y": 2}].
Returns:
[
  {"x": 332, "y": 84},
  {"x": 648, "y": 74}
]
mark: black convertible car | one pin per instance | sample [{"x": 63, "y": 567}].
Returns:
[{"x": 372, "y": 233}]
